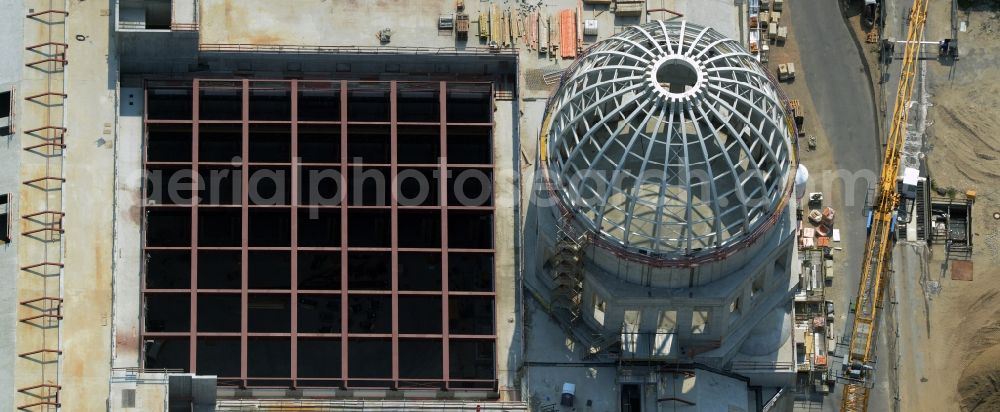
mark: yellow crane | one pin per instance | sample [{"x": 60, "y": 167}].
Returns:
[{"x": 859, "y": 362}]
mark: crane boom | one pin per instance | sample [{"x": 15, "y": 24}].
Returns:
[{"x": 878, "y": 246}]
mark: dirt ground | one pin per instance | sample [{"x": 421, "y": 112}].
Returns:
[{"x": 964, "y": 143}]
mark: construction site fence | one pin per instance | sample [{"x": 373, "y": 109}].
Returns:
[{"x": 374, "y": 50}]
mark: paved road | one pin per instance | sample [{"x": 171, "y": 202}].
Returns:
[{"x": 843, "y": 102}]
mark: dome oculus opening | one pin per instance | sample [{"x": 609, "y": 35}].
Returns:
[{"x": 676, "y": 75}]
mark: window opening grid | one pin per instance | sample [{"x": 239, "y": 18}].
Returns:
[{"x": 281, "y": 273}]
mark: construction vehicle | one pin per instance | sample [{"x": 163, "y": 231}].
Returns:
[
  {"x": 948, "y": 48},
  {"x": 859, "y": 361},
  {"x": 871, "y": 12}
]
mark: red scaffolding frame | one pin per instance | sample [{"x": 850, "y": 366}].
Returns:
[
  {"x": 45, "y": 226},
  {"x": 348, "y": 127}
]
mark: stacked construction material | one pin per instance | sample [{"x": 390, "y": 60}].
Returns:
[{"x": 567, "y": 33}]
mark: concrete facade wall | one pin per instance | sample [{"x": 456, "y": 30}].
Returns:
[
  {"x": 650, "y": 301},
  {"x": 11, "y": 40},
  {"x": 165, "y": 53},
  {"x": 670, "y": 277},
  {"x": 740, "y": 296},
  {"x": 128, "y": 219},
  {"x": 157, "y": 54},
  {"x": 508, "y": 311},
  {"x": 11, "y": 47}
]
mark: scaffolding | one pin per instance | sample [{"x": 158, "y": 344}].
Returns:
[
  {"x": 567, "y": 272},
  {"x": 40, "y": 307},
  {"x": 565, "y": 97}
]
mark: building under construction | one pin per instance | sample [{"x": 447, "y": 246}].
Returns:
[
  {"x": 220, "y": 205},
  {"x": 668, "y": 240}
]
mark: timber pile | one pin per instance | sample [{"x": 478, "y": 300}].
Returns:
[
  {"x": 553, "y": 34},
  {"x": 567, "y": 33}
]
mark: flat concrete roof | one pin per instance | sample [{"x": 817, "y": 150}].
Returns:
[
  {"x": 89, "y": 198},
  {"x": 327, "y": 23},
  {"x": 90, "y": 194},
  {"x": 414, "y": 23}
]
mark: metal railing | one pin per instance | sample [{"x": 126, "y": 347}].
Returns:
[
  {"x": 774, "y": 400},
  {"x": 301, "y": 49},
  {"x": 184, "y": 26},
  {"x": 366, "y": 405},
  {"x": 41, "y": 306},
  {"x": 763, "y": 366},
  {"x": 134, "y": 374},
  {"x": 135, "y": 25}
]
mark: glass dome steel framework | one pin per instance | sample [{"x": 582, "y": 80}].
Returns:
[{"x": 671, "y": 141}]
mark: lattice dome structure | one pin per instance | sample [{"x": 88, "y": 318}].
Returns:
[{"x": 670, "y": 140}]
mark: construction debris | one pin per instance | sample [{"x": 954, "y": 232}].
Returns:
[
  {"x": 484, "y": 26},
  {"x": 384, "y": 35},
  {"x": 552, "y": 77},
  {"x": 629, "y": 8},
  {"x": 567, "y": 33},
  {"x": 461, "y": 26},
  {"x": 554, "y": 35},
  {"x": 543, "y": 33},
  {"x": 579, "y": 26},
  {"x": 872, "y": 36}
]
